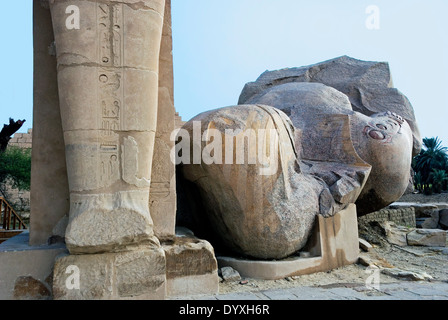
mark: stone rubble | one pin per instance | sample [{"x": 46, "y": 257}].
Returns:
[
  {"x": 427, "y": 238},
  {"x": 364, "y": 245},
  {"x": 230, "y": 274},
  {"x": 406, "y": 274},
  {"x": 403, "y": 236}
]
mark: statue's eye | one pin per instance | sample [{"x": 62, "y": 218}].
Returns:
[
  {"x": 377, "y": 135},
  {"x": 382, "y": 127}
]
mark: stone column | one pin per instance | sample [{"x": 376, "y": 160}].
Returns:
[
  {"x": 49, "y": 186},
  {"x": 107, "y": 64},
  {"x": 162, "y": 197},
  {"x": 108, "y": 87}
]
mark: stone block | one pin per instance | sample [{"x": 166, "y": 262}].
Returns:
[
  {"x": 333, "y": 243},
  {"x": 191, "y": 267},
  {"x": 26, "y": 287},
  {"x": 406, "y": 274},
  {"x": 433, "y": 221},
  {"x": 230, "y": 274},
  {"x": 364, "y": 245},
  {"x": 396, "y": 234},
  {"x": 443, "y": 219},
  {"x": 107, "y": 222},
  {"x": 427, "y": 237},
  {"x": 421, "y": 209},
  {"x": 26, "y": 271},
  {"x": 137, "y": 274}
]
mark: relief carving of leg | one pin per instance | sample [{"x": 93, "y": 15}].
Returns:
[{"x": 108, "y": 87}]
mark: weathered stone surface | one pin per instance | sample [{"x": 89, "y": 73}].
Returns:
[
  {"x": 385, "y": 138},
  {"x": 229, "y": 274},
  {"x": 162, "y": 196},
  {"x": 244, "y": 202},
  {"x": 58, "y": 232},
  {"x": 109, "y": 222},
  {"x": 49, "y": 195},
  {"x": 109, "y": 126},
  {"x": 396, "y": 234},
  {"x": 26, "y": 271},
  {"x": 322, "y": 117},
  {"x": 191, "y": 266},
  {"x": 406, "y": 274},
  {"x": 28, "y": 288},
  {"x": 365, "y": 245},
  {"x": 333, "y": 244},
  {"x": 50, "y": 190},
  {"x": 427, "y": 237},
  {"x": 188, "y": 256},
  {"x": 373, "y": 260},
  {"x": 385, "y": 142},
  {"x": 433, "y": 221},
  {"x": 365, "y": 260},
  {"x": 355, "y": 156},
  {"x": 243, "y": 205},
  {"x": 108, "y": 121},
  {"x": 404, "y": 236},
  {"x": 367, "y": 84},
  {"x": 138, "y": 274},
  {"x": 443, "y": 219},
  {"x": 425, "y": 210}
]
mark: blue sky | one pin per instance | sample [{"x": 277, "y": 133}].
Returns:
[{"x": 219, "y": 45}]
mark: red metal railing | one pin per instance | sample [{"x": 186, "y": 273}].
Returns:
[{"x": 9, "y": 218}]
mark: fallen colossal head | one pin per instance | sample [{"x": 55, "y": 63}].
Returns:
[{"x": 264, "y": 169}]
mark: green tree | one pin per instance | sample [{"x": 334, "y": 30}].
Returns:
[
  {"x": 432, "y": 157},
  {"x": 418, "y": 182},
  {"x": 15, "y": 164},
  {"x": 438, "y": 178}
]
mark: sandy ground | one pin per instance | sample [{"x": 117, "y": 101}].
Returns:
[
  {"x": 441, "y": 197},
  {"x": 422, "y": 260}
]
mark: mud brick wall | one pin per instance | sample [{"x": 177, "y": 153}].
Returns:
[
  {"x": 22, "y": 140},
  {"x": 402, "y": 217}
]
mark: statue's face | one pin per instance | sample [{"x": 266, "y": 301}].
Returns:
[
  {"x": 384, "y": 127},
  {"x": 385, "y": 142}
]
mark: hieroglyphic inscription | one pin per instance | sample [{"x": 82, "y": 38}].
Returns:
[{"x": 110, "y": 89}]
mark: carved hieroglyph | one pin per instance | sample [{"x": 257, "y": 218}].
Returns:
[
  {"x": 108, "y": 89},
  {"x": 50, "y": 191},
  {"x": 162, "y": 194}
]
